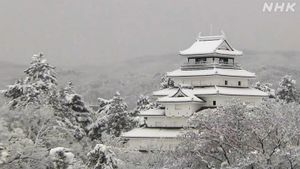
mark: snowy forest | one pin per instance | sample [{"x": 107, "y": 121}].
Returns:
[{"x": 47, "y": 124}]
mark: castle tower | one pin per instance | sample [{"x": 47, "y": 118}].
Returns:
[{"x": 210, "y": 78}]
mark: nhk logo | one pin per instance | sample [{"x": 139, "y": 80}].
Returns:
[{"x": 279, "y": 7}]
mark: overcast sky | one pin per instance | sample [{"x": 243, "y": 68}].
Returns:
[{"x": 72, "y": 32}]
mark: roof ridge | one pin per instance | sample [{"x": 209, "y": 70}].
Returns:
[{"x": 211, "y": 37}]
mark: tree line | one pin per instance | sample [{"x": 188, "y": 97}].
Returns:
[{"x": 45, "y": 124}]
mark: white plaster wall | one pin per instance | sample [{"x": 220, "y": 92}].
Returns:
[
  {"x": 194, "y": 81},
  {"x": 181, "y": 109},
  {"x": 223, "y": 100},
  {"x": 232, "y": 81},
  {"x": 152, "y": 143},
  {"x": 159, "y": 121},
  {"x": 210, "y": 81}
]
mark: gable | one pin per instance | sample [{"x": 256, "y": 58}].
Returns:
[
  {"x": 179, "y": 93},
  {"x": 225, "y": 46}
]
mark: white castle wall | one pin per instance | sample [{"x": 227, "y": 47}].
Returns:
[
  {"x": 181, "y": 109},
  {"x": 225, "y": 100},
  {"x": 210, "y": 81},
  {"x": 163, "y": 121},
  {"x": 152, "y": 143},
  {"x": 187, "y": 109}
]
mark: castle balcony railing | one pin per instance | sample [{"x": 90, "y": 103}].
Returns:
[{"x": 204, "y": 64}]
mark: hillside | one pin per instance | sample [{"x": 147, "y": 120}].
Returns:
[{"x": 142, "y": 75}]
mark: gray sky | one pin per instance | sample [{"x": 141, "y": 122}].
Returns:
[{"x": 72, "y": 32}]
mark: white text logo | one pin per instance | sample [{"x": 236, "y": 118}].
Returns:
[{"x": 279, "y": 7}]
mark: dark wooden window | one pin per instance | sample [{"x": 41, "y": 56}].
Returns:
[
  {"x": 240, "y": 83},
  {"x": 214, "y": 103},
  {"x": 223, "y": 60},
  {"x": 200, "y": 60},
  {"x": 226, "y": 82}
]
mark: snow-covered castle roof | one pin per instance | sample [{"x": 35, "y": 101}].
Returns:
[
  {"x": 209, "y": 72},
  {"x": 180, "y": 96},
  {"x": 211, "y": 45},
  {"x": 214, "y": 90}
]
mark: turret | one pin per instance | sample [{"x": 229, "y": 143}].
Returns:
[{"x": 210, "y": 51}]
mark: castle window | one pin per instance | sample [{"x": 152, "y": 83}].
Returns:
[
  {"x": 226, "y": 82},
  {"x": 239, "y": 83},
  {"x": 214, "y": 103},
  {"x": 223, "y": 60},
  {"x": 200, "y": 60}
]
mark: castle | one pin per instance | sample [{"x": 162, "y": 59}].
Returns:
[{"x": 210, "y": 78}]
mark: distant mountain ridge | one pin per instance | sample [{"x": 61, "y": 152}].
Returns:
[{"x": 141, "y": 75}]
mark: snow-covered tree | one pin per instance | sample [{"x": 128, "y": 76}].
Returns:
[
  {"x": 113, "y": 117},
  {"x": 265, "y": 87},
  {"x": 102, "y": 157},
  {"x": 287, "y": 89},
  {"x": 96, "y": 129},
  {"x": 3, "y": 154},
  {"x": 166, "y": 82},
  {"x": 144, "y": 103},
  {"x": 241, "y": 136},
  {"x": 72, "y": 110},
  {"x": 21, "y": 139},
  {"x": 67, "y": 99},
  {"x": 37, "y": 86},
  {"x": 74, "y": 100},
  {"x": 62, "y": 158}
]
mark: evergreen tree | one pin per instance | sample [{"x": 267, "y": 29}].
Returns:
[
  {"x": 69, "y": 100},
  {"x": 72, "y": 109},
  {"x": 166, "y": 82},
  {"x": 36, "y": 88},
  {"x": 101, "y": 157},
  {"x": 144, "y": 103},
  {"x": 62, "y": 158},
  {"x": 287, "y": 89},
  {"x": 113, "y": 117}
]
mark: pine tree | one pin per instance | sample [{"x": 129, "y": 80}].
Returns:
[
  {"x": 287, "y": 89},
  {"x": 69, "y": 99},
  {"x": 144, "y": 103},
  {"x": 62, "y": 158},
  {"x": 166, "y": 82},
  {"x": 113, "y": 118},
  {"x": 36, "y": 88},
  {"x": 71, "y": 108},
  {"x": 101, "y": 157}
]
